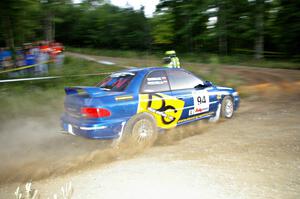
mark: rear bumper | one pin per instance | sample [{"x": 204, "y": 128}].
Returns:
[{"x": 110, "y": 129}]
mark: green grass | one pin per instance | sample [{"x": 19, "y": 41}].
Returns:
[
  {"x": 34, "y": 98},
  {"x": 206, "y": 58},
  {"x": 114, "y": 53},
  {"x": 76, "y": 66},
  {"x": 214, "y": 74}
]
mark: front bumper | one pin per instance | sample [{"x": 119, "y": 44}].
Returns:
[{"x": 110, "y": 129}]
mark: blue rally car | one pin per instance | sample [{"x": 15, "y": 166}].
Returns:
[{"x": 134, "y": 104}]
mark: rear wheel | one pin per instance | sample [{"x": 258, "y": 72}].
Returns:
[
  {"x": 227, "y": 107},
  {"x": 140, "y": 132}
]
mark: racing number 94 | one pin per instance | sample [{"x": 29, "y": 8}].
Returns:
[{"x": 201, "y": 100}]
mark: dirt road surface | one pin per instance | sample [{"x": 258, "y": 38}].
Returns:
[{"x": 254, "y": 155}]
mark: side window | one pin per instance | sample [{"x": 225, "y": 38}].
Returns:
[
  {"x": 182, "y": 80},
  {"x": 156, "y": 81}
]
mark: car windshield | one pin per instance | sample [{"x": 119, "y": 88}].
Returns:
[{"x": 116, "y": 81}]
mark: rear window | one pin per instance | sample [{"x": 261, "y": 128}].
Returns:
[{"x": 116, "y": 81}]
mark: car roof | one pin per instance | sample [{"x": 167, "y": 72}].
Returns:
[{"x": 148, "y": 69}]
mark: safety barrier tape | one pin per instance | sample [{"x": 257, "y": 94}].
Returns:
[
  {"x": 265, "y": 52},
  {"x": 22, "y": 67},
  {"x": 28, "y": 79},
  {"x": 50, "y": 77}
]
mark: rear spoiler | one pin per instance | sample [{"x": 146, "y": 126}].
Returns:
[{"x": 82, "y": 90}]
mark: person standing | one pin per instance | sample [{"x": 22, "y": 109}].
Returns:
[
  {"x": 58, "y": 54},
  {"x": 171, "y": 61},
  {"x": 43, "y": 62},
  {"x": 1, "y": 58},
  {"x": 30, "y": 61}
]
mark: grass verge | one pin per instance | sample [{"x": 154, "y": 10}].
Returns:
[
  {"x": 34, "y": 98},
  {"x": 206, "y": 58}
]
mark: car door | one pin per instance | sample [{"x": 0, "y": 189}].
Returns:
[
  {"x": 192, "y": 90},
  {"x": 156, "y": 98}
]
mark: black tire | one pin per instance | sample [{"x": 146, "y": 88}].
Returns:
[
  {"x": 140, "y": 132},
  {"x": 227, "y": 108}
]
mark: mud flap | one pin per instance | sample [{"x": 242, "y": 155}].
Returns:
[{"x": 217, "y": 116}]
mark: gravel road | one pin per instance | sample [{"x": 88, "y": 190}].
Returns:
[{"x": 254, "y": 155}]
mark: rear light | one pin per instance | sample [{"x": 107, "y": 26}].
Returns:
[{"x": 90, "y": 112}]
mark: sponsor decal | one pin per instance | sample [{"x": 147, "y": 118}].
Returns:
[
  {"x": 156, "y": 80},
  {"x": 196, "y": 117},
  {"x": 166, "y": 109},
  {"x": 120, "y": 98}
]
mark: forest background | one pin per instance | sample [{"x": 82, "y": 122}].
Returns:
[{"x": 260, "y": 29}]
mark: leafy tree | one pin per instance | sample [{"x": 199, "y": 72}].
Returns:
[
  {"x": 50, "y": 10},
  {"x": 189, "y": 22},
  {"x": 18, "y": 20},
  {"x": 163, "y": 29},
  {"x": 286, "y": 26},
  {"x": 105, "y": 26},
  {"x": 248, "y": 25}
]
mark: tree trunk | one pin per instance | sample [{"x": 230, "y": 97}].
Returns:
[
  {"x": 9, "y": 35},
  {"x": 49, "y": 26},
  {"x": 259, "y": 25},
  {"x": 223, "y": 47},
  {"x": 53, "y": 29},
  {"x": 222, "y": 28}
]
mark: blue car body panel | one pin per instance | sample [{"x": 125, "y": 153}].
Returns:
[{"x": 170, "y": 108}]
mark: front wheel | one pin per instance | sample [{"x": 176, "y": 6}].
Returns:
[{"x": 227, "y": 107}]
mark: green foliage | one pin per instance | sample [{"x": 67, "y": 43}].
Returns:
[
  {"x": 255, "y": 26},
  {"x": 188, "y": 23},
  {"x": 22, "y": 97},
  {"x": 105, "y": 26},
  {"x": 163, "y": 31},
  {"x": 286, "y": 25},
  {"x": 16, "y": 24},
  {"x": 117, "y": 53}
]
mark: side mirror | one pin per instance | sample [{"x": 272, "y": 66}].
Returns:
[{"x": 208, "y": 84}]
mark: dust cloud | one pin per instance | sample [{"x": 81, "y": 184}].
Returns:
[{"x": 34, "y": 148}]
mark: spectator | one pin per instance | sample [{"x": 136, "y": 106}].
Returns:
[
  {"x": 43, "y": 59},
  {"x": 32, "y": 54},
  {"x": 20, "y": 61},
  {"x": 35, "y": 50},
  {"x": 29, "y": 60},
  {"x": 58, "y": 55},
  {"x": 1, "y": 58},
  {"x": 20, "y": 57},
  {"x": 7, "y": 59}
]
